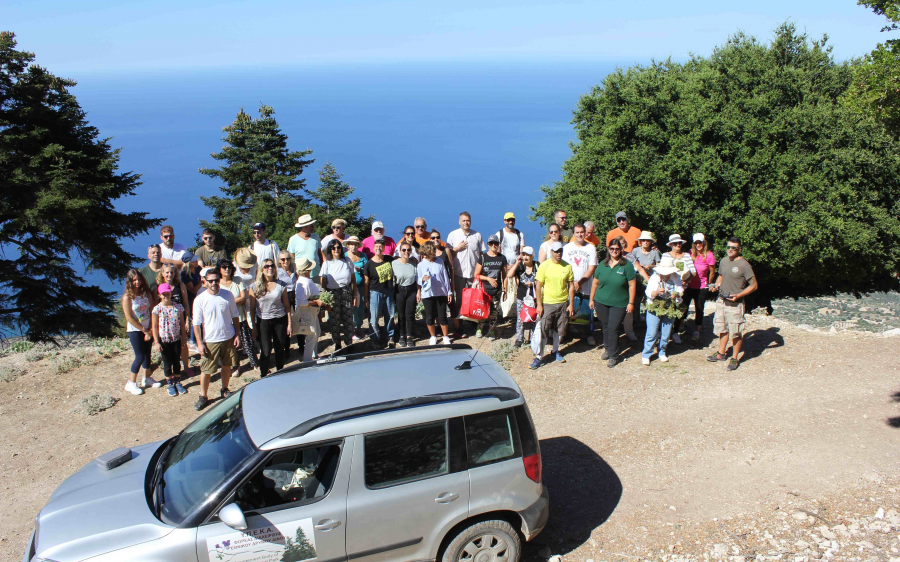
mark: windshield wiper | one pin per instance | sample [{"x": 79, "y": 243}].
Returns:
[{"x": 158, "y": 483}]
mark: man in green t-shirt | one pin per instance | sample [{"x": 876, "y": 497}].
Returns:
[
  {"x": 736, "y": 281},
  {"x": 208, "y": 255},
  {"x": 555, "y": 298},
  {"x": 149, "y": 271}
]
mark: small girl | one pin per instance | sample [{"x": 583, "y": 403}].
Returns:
[{"x": 168, "y": 333}]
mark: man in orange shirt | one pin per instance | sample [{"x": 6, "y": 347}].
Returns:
[
  {"x": 421, "y": 228},
  {"x": 589, "y": 234},
  {"x": 624, "y": 229}
]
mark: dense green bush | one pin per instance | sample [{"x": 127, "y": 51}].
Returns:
[{"x": 750, "y": 141}]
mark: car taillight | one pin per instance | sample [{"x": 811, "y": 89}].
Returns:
[{"x": 533, "y": 467}]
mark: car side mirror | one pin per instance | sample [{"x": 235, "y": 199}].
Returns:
[{"x": 232, "y": 516}]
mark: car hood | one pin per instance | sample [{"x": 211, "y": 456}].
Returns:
[{"x": 96, "y": 511}]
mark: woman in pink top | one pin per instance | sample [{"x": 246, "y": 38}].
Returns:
[{"x": 696, "y": 291}]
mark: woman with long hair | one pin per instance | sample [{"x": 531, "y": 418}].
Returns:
[
  {"x": 136, "y": 302},
  {"x": 407, "y": 290},
  {"x": 241, "y": 299},
  {"x": 434, "y": 291},
  {"x": 612, "y": 296},
  {"x": 358, "y": 259},
  {"x": 440, "y": 252},
  {"x": 273, "y": 316},
  {"x": 338, "y": 276},
  {"x": 170, "y": 274},
  {"x": 553, "y": 235},
  {"x": 288, "y": 276},
  {"x": 697, "y": 289}
]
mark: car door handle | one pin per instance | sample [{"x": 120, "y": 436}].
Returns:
[
  {"x": 446, "y": 497},
  {"x": 326, "y": 525}
]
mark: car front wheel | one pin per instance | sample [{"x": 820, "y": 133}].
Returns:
[{"x": 487, "y": 541}]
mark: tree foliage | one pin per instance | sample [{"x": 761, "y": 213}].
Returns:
[
  {"x": 333, "y": 201},
  {"x": 261, "y": 182},
  {"x": 58, "y": 183},
  {"x": 750, "y": 141}
]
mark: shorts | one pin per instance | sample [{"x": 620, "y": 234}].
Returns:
[
  {"x": 555, "y": 317},
  {"x": 728, "y": 318},
  {"x": 218, "y": 351}
]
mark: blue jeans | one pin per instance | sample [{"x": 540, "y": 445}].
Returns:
[
  {"x": 381, "y": 304},
  {"x": 654, "y": 326}
]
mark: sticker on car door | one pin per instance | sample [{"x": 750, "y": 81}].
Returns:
[{"x": 285, "y": 542}]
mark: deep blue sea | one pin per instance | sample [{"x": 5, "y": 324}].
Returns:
[{"x": 429, "y": 140}]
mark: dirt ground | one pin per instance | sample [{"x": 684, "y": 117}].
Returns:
[{"x": 794, "y": 456}]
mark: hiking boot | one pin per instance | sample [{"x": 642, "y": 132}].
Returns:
[
  {"x": 201, "y": 403},
  {"x": 732, "y": 364},
  {"x": 717, "y": 357},
  {"x": 535, "y": 364}
]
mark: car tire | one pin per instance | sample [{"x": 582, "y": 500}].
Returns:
[{"x": 487, "y": 541}]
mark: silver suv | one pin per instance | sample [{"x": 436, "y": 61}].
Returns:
[{"x": 410, "y": 454}]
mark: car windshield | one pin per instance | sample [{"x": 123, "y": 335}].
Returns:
[{"x": 206, "y": 453}]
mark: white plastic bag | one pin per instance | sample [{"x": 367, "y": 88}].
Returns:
[
  {"x": 537, "y": 339},
  {"x": 508, "y": 304}
]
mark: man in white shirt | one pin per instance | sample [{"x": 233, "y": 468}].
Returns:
[
  {"x": 216, "y": 327},
  {"x": 582, "y": 256},
  {"x": 263, "y": 248},
  {"x": 171, "y": 252},
  {"x": 465, "y": 247},
  {"x": 511, "y": 240}
]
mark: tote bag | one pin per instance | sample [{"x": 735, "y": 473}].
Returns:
[
  {"x": 305, "y": 321},
  {"x": 475, "y": 303},
  {"x": 528, "y": 313},
  {"x": 508, "y": 304}
]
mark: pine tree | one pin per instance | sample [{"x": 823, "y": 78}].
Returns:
[
  {"x": 58, "y": 184},
  {"x": 262, "y": 182},
  {"x": 298, "y": 548},
  {"x": 333, "y": 202}
]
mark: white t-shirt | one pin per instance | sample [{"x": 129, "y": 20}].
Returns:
[
  {"x": 267, "y": 251},
  {"x": 337, "y": 273},
  {"x": 464, "y": 262},
  {"x": 174, "y": 253},
  {"x": 304, "y": 290},
  {"x": 216, "y": 313},
  {"x": 509, "y": 242},
  {"x": 580, "y": 258},
  {"x": 674, "y": 285}
]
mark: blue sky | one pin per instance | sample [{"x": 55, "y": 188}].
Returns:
[{"x": 136, "y": 35}]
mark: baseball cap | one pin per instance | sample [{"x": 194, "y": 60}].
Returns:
[
  {"x": 164, "y": 288},
  {"x": 259, "y": 225},
  {"x": 509, "y": 216},
  {"x": 187, "y": 257},
  {"x": 556, "y": 246},
  {"x": 698, "y": 237},
  {"x": 528, "y": 250},
  {"x": 493, "y": 239},
  {"x": 377, "y": 224},
  {"x": 204, "y": 271},
  {"x": 621, "y": 215}
]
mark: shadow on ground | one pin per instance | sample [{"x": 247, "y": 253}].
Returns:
[
  {"x": 895, "y": 421},
  {"x": 584, "y": 492}
]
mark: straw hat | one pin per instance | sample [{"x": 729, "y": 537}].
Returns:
[
  {"x": 304, "y": 220},
  {"x": 305, "y": 264},
  {"x": 245, "y": 258},
  {"x": 647, "y": 235},
  {"x": 351, "y": 241},
  {"x": 666, "y": 266}
]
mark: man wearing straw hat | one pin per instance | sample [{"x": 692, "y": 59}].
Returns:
[{"x": 306, "y": 244}]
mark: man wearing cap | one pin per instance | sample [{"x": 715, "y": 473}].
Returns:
[
  {"x": 511, "y": 240},
  {"x": 264, "y": 248},
  {"x": 555, "y": 298},
  {"x": 338, "y": 228},
  {"x": 306, "y": 244},
  {"x": 216, "y": 327},
  {"x": 736, "y": 281},
  {"x": 465, "y": 247},
  {"x": 624, "y": 230},
  {"x": 561, "y": 217},
  {"x": 421, "y": 228},
  {"x": 582, "y": 258},
  {"x": 207, "y": 254},
  {"x": 368, "y": 243}
]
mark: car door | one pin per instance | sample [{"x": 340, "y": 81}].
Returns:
[
  {"x": 406, "y": 491},
  {"x": 295, "y": 505}
]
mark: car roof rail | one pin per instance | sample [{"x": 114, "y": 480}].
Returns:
[
  {"x": 337, "y": 357},
  {"x": 502, "y": 393}
]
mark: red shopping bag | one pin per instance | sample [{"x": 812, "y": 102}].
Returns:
[
  {"x": 528, "y": 314},
  {"x": 475, "y": 303}
]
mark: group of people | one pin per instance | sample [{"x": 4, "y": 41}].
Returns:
[{"x": 255, "y": 302}]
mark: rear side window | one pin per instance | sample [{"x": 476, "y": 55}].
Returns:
[
  {"x": 490, "y": 437},
  {"x": 404, "y": 455}
]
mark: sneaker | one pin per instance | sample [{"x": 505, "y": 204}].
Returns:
[
  {"x": 410, "y": 342},
  {"x": 355, "y": 338},
  {"x": 433, "y": 340},
  {"x": 446, "y": 340},
  {"x": 535, "y": 364},
  {"x": 518, "y": 343},
  {"x": 225, "y": 393},
  {"x": 676, "y": 338},
  {"x": 732, "y": 364},
  {"x": 717, "y": 357},
  {"x": 179, "y": 388},
  {"x": 492, "y": 335},
  {"x": 150, "y": 382},
  {"x": 612, "y": 362},
  {"x": 560, "y": 358},
  {"x": 478, "y": 333},
  {"x": 201, "y": 403},
  {"x": 591, "y": 340},
  {"x": 605, "y": 355},
  {"x": 133, "y": 388},
  {"x": 663, "y": 357},
  {"x": 631, "y": 336},
  {"x": 402, "y": 341},
  {"x": 645, "y": 360},
  {"x": 696, "y": 335},
  {"x": 171, "y": 390}
]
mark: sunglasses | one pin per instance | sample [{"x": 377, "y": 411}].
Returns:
[
  {"x": 733, "y": 247},
  {"x": 405, "y": 251},
  {"x": 615, "y": 249},
  {"x": 509, "y": 220},
  {"x": 208, "y": 237},
  {"x": 435, "y": 237},
  {"x": 257, "y": 232},
  {"x": 167, "y": 236},
  {"x": 420, "y": 227},
  {"x": 212, "y": 281},
  {"x": 270, "y": 266},
  {"x": 408, "y": 233},
  {"x": 622, "y": 220},
  {"x": 337, "y": 227}
]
